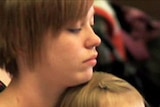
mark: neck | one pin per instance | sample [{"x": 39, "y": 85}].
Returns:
[{"x": 31, "y": 92}]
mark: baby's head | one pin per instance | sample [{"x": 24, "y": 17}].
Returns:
[{"x": 104, "y": 90}]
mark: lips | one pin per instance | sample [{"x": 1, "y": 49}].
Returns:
[{"x": 91, "y": 61}]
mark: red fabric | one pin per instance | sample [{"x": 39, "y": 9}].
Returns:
[
  {"x": 119, "y": 44},
  {"x": 101, "y": 12}
]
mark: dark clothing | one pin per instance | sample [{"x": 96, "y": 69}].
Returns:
[{"x": 2, "y": 86}]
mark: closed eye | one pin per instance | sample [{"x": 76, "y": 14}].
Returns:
[{"x": 75, "y": 30}]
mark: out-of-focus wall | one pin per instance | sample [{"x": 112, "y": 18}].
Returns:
[{"x": 151, "y": 7}]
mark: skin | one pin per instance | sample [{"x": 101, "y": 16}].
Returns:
[
  {"x": 67, "y": 60},
  {"x": 78, "y": 46}
]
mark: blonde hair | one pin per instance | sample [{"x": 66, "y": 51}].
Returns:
[
  {"x": 103, "y": 90},
  {"x": 23, "y": 24}
]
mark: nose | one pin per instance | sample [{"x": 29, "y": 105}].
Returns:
[{"x": 93, "y": 40}]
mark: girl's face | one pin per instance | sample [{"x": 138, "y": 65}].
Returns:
[{"x": 69, "y": 58}]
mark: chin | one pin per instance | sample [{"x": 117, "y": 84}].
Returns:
[
  {"x": 89, "y": 75},
  {"x": 82, "y": 77},
  {"x": 85, "y": 76}
]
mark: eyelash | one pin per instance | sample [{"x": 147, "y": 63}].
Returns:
[{"x": 77, "y": 30}]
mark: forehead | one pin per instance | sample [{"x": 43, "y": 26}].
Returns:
[
  {"x": 90, "y": 16},
  {"x": 91, "y": 11}
]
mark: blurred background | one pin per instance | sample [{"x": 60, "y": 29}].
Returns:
[
  {"x": 130, "y": 49},
  {"x": 151, "y": 7}
]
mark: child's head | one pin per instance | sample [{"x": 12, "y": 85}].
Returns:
[{"x": 104, "y": 90}]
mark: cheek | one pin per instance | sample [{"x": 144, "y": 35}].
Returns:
[
  {"x": 66, "y": 50},
  {"x": 71, "y": 48},
  {"x": 72, "y": 51}
]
